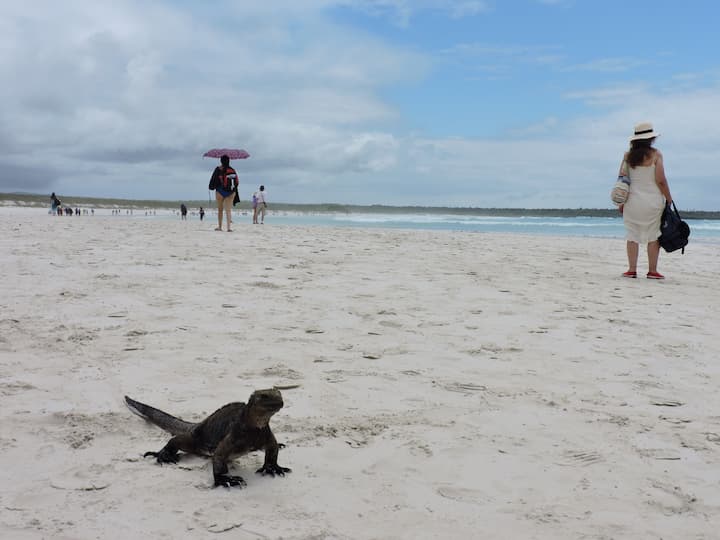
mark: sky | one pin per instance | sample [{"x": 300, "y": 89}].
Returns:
[{"x": 469, "y": 103}]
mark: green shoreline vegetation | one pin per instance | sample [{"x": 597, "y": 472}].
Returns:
[{"x": 42, "y": 201}]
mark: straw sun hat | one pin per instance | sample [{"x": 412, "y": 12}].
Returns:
[{"x": 644, "y": 130}]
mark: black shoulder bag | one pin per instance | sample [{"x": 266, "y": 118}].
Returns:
[{"x": 674, "y": 232}]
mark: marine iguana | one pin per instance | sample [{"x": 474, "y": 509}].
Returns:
[{"x": 233, "y": 430}]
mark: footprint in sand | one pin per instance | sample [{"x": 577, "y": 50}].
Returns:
[
  {"x": 265, "y": 285},
  {"x": 676, "y": 421},
  {"x": 136, "y": 333},
  {"x": 465, "y": 388},
  {"x": 671, "y": 499},
  {"x": 470, "y": 496},
  {"x": 83, "y": 478},
  {"x": 419, "y": 448},
  {"x": 282, "y": 371},
  {"x": 390, "y": 324},
  {"x": 220, "y": 518},
  {"x": 667, "y": 403},
  {"x": 572, "y": 458},
  {"x": 17, "y": 387}
]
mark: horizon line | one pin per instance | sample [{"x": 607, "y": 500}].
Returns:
[{"x": 38, "y": 199}]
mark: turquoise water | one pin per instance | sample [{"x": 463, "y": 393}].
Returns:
[
  {"x": 606, "y": 227},
  {"x": 558, "y": 226}
]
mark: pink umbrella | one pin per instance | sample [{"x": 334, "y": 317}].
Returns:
[{"x": 232, "y": 153}]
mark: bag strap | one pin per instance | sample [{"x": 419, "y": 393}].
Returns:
[
  {"x": 674, "y": 208},
  {"x": 624, "y": 167},
  {"x": 682, "y": 251}
]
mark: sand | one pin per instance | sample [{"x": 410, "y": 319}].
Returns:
[{"x": 449, "y": 384}]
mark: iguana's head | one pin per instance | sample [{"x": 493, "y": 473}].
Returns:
[{"x": 263, "y": 404}]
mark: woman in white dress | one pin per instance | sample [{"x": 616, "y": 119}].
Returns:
[{"x": 649, "y": 192}]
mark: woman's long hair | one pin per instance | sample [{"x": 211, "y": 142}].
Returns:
[{"x": 640, "y": 150}]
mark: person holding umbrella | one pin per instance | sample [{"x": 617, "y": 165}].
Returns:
[{"x": 225, "y": 180}]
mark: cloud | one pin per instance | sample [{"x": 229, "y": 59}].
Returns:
[
  {"x": 469, "y": 8},
  {"x": 494, "y": 60},
  {"x": 120, "y": 86},
  {"x": 503, "y": 52},
  {"x": 25, "y": 178},
  {"x": 615, "y": 95},
  {"x": 556, "y": 2},
  {"x": 608, "y": 65},
  {"x": 572, "y": 163},
  {"x": 401, "y": 12},
  {"x": 120, "y": 99}
]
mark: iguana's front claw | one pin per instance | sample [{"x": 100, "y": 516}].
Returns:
[
  {"x": 229, "y": 481},
  {"x": 272, "y": 470}
]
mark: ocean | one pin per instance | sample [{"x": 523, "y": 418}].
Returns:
[
  {"x": 705, "y": 230},
  {"x": 558, "y": 226}
]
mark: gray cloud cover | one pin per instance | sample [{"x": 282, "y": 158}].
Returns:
[{"x": 120, "y": 99}]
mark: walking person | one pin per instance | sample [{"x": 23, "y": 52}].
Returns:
[
  {"x": 183, "y": 212},
  {"x": 225, "y": 180},
  {"x": 261, "y": 205},
  {"x": 255, "y": 207},
  {"x": 55, "y": 204},
  {"x": 648, "y": 194},
  {"x": 202, "y": 213}
]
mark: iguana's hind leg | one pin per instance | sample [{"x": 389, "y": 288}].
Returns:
[{"x": 169, "y": 452}]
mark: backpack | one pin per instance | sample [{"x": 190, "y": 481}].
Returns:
[
  {"x": 223, "y": 179},
  {"x": 674, "y": 232}
]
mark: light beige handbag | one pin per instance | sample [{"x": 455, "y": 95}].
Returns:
[{"x": 621, "y": 190}]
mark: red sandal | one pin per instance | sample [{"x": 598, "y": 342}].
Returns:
[
  {"x": 655, "y": 275},
  {"x": 630, "y": 274}
]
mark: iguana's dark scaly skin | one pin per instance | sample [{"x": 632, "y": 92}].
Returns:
[{"x": 229, "y": 432}]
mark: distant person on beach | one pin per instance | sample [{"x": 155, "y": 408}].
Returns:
[
  {"x": 254, "y": 208},
  {"x": 202, "y": 213},
  {"x": 226, "y": 183},
  {"x": 649, "y": 192},
  {"x": 183, "y": 211},
  {"x": 55, "y": 203},
  {"x": 261, "y": 206}
]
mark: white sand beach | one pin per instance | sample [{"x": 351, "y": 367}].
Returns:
[{"x": 449, "y": 385}]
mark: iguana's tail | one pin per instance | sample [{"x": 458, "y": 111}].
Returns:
[{"x": 166, "y": 421}]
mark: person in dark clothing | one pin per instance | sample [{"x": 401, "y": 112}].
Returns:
[
  {"x": 226, "y": 182},
  {"x": 55, "y": 203}
]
